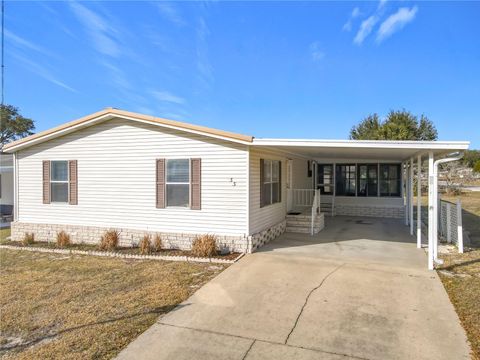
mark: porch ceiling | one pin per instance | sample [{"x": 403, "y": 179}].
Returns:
[{"x": 362, "y": 150}]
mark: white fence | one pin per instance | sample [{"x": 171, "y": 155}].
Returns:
[{"x": 450, "y": 223}]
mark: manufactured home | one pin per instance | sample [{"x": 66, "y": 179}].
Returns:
[{"x": 141, "y": 174}]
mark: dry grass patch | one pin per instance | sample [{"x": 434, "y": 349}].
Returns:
[
  {"x": 4, "y": 233},
  {"x": 109, "y": 240},
  {"x": 81, "y": 307},
  {"x": 204, "y": 246},
  {"x": 145, "y": 245},
  {"x": 460, "y": 275},
  {"x": 63, "y": 239}
]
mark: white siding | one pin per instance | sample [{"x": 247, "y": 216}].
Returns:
[
  {"x": 263, "y": 218},
  {"x": 116, "y": 180},
  {"x": 300, "y": 179}
]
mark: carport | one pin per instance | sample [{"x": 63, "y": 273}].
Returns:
[{"x": 373, "y": 178}]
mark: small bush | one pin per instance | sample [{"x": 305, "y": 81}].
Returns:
[
  {"x": 28, "y": 239},
  {"x": 205, "y": 246},
  {"x": 109, "y": 240},
  {"x": 157, "y": 243},
  {"x": 145, "y": 245},
  {"x": 63, "y": 239}
]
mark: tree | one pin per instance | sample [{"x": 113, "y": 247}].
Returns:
[
  {"x": 471, "y": 157},
  {"x": 476, "y": 167},
  {"x": 399, "y": 125},
  {"x": 13, "y": 126}
]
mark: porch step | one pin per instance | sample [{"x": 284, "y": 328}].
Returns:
[{"x": 302, "y": 223}]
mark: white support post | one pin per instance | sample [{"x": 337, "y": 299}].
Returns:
[
  {"x": 411, "y": 196},
  {"x": 435, "y": 213},
  {"x": 405, "y": 189},
  {"x": 419, "y": 201},
  {"x": 459, "y": 227},
  {"x": 430, "y": 210}
]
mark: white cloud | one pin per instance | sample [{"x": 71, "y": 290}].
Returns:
[
  {"x": 100, "y": 31},
  {"x": 381, "y": 4},
  {"x": 168, "y": 97},
  {"x": 366, "y": 28},
  {"x": 396, "y": 22},
  {"x": 23, "y": 43},
  {"x": 170, "y": 13},
  {"x": 316, "y": 52},
  {"x": 43, "y": 72},
  {"x": 348, "y": 25}
]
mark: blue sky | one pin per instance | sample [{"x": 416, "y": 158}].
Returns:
[{"x": 269, "y": 69}]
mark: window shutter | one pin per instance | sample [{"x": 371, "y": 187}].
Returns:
[
  {"x": 196, "y": 184},
  {"x": 279, "y": 181},
  {"x": 46, "y": 181},
  {"x": 262, "y": 195},
  {"x": 72, "y": 182},
  {"x": 160, "y": 183}
]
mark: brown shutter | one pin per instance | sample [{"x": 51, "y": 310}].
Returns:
[
  {"x": 196, "y": 184},
  {"x": 72, "y": 182},
  {"x": 262, "y": 195},
  {"x": 46, "y": 181},
  {"x": 160, "y": 183},
  {"x": 279, "y": 181}
]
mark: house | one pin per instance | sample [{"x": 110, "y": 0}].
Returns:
[
  {"x": 141, "y": 174},
  {"x": 6, "y": 188}
]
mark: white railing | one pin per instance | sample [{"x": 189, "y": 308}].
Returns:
[
  {"x": 315, "y": 210},
  {"x": 302, "y": 197}
]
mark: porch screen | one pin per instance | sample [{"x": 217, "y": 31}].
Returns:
[
  {"x": 345, "y": 177},
  {"x": 367, "y": 180},
  {"x": 325, "y": 178},
  {"x": 390, "y": 179}
]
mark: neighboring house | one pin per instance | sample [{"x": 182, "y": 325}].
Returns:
[
  {"x": 138, "y": 174},
  {"x": 6, "y": 187}
]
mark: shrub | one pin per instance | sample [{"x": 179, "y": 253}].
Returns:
[
  {"x": 109, "y": 240},
  {"x": 145, "y": 245},
  {"x": 204, "y": 246},
  {"x": 157, "y": 243},
  {"x": 63, "y": 239},
  {"x": 28, "y": 239}
]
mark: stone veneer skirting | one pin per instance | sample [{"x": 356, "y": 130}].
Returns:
[
  {"x": 131, "y": 237},
  {"x": 263, "y": 237},
  {"x": 396, "y": 212}
]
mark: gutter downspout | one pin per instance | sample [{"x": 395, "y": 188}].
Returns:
[{"x": 455, "y": 156}]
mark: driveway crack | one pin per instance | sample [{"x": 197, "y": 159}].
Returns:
[
  {"x": 250, "y": 348},
  {"x": 308, "y": 297}
]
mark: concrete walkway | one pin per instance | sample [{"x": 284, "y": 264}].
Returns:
[{"x": 357, "y": 290}]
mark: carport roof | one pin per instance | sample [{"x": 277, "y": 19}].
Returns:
[{"x": 361, "y": 149}]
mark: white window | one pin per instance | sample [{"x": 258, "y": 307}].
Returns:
[
  {"x": 271, "y": 181},
  {"x": 59, "y": 181},
  {"x": 178, "y": 182}
]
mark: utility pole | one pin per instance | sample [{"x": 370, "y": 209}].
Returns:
[{"x": 3, "y": 51}]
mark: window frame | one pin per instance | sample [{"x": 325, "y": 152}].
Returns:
[
  {"x": 59, "y": 182},
  {"x": 399, "y": 179},
  {"x": 368, "y": 179},
  {"x": 271, "y": 182},
  {"x": 189, "y": 183},
  {"x": 321, "y": 185},
  {"x": 337, "y": 165}
]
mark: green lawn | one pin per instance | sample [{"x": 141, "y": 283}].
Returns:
[{"x": 4, "y": 233}]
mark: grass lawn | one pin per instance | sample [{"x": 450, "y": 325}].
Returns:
[
  {"x": 85, "y": 307},
  {"x": 460, "y": 273},
  {"x": 4, "y": 233}
]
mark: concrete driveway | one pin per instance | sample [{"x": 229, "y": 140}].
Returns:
[{"x": 358, "y": 290}]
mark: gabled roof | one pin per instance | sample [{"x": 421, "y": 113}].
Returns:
[{"x": 110, "y": 113}]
